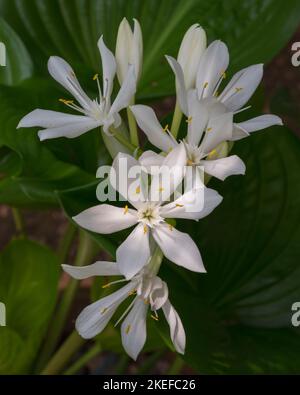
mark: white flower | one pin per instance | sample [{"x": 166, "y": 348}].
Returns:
[
  {"x": 206, "y": 131},
  {"x": 129, "y": 49},
  {"x": 95, "y": 113},
  {"x": 211, "y": 72},
  {"x": 147, "y": 290},
  {"x": 150, "y": 218},
  {"x": 192, "y": 47}
]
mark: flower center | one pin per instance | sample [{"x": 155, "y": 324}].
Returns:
[
  {"x": 149, "y": 215},
  {"x": 194, "y": 155}
]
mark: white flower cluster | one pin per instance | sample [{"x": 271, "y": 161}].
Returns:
[{"x": 153, "y": 206}]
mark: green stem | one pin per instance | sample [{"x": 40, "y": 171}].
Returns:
[
  {"x": 132, "y": 127},
  {"x": 176, "y": 366},
  {"x": 66, "y": 242},
  {"x": 84, "y": 359},
  {"x": 122, "y": 364},
  {"x": 19, "y": 222},
  {"x": 150, "y": 362},
  {"x": 64, "y": 354},
  {"x": 132, "y": 147},
  {"x": 85, "y": 253},
  {"x": 176, "y": 120}
]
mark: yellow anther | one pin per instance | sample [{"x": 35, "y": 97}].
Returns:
[
  {"x": 127, "y": 330},
  {"x": 189, "y": 162},
  {"x": 205, "y": 85},
  {"x": 238, "y": 89},
  {"x": 223, "y": 74},
  {"x": 95, "y": 77},
  {"x": 154, "y": 317},
  {"x": 208, "y": 129},
  {"x": 145, "y": 229},
  {"x": 138, "y": 190},
  {"x": 189, "y": 120},
  {"x": 66, "y": 101},
  {"x": 161, "y": 189},
  {"x": 166, "y": 128},
  {"x": 106, "y": 285},
  {"x": 104, "y": 310},
  {"x": 132, "y": 292},
  {"x": 179, "y": 205},
  {"x": 125, "y": 209},
  {"x": 171, "y": 227},
  {"x": 216, "y": 94},
  {"x": 213, "y": 152},
  {"x": 146, "y": 301}
]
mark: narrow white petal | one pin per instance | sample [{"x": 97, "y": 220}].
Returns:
[
  {"x": 49, "y": 119},
  {"x": 197, "y": 118},
  {"x": 123, "y": 49},
  {"x": 134, "y": 253},
  {"x": 178, "y": 247},
  {"x": 133, "y": 329},
  {"x": 159, "y": 294},
  {"x": 94, "y": 318},
  {"x": 194, "y": 204},
  {"x": 149, "y": 124},
  {"x": 109, "y": 68},
  {"x": 222, "y": 168},
  {"x": 126, "y": 92},
  {"x": 63, "y": 73},
  {"x": 219, "y": 129},
  {"x": 137, "y": 50},
  {"x": 106, "y": 218},
  {"x": 258, "y": 123},
  {"x": 99, "y": 268},
  {"x": 241, "y": 87},
  {"x": 177, "y": 332},
  {"x": 70, "y": 130},
  {"x": 180, "y": 84},
  {"x": 212, "y": 66},
  {"x": 151, "y": 161}
]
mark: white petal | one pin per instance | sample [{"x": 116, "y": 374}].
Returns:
[
  {"x": 106, "y": 219},
  {"x": 194, "y": 204},
  {"x": 123, "y": 49},
  {"x": 133, "y": 329},
  {"x": 177, "y": 332},
  {"x": 70, "y": 130},
  {"x": 219, "y": 129},
  {"x": 238, "y": 133},
  {"x": 126, "y": 92},
  {"x": 178, "y": 247},
  {"x": 159, "y": 294},
  {"x": 170, "y": 175},
  {"x": 197, "y": 120},
  {"x": 150, "y": 159},
  {"x": 213, "y": 63},
  {"x": 222, "y": 168},
  {"x": 241, "y": 87},
  {"x": 180, "y": 84},
  {"x": 137, "y": 50},
  {"x": 63, "y": 73},
  {"x": 148, "y": 122},
  {"x": 258, "y": 123},
  {"x": 100, "y": 268},
  {"x": 109, "y": 68},
  {"x": 134, "y": 253},
  {"x": 94, "y": 318},
  {"x": 49, "y": 119}
]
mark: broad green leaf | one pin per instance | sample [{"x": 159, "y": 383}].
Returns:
[
  {"x": 27, "y": 269},
  {"x": 18, "y": 61}
]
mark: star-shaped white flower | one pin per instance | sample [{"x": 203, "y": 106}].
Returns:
[
  {"x": 148, "y": 292},
  {"x": 94, "y": 113},
  {"x": 150, "y": 214}
]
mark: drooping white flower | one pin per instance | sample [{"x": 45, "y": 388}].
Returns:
[
  {"x": 94, "y": 113},
  {"x": 192, "y": 47},
  {"x": 129, "y": 49},
  {"x": 211, "y": 72},
  {"x": 150, "y": 215},
  {"x": 147, "y": 291},
  {"x": 207, "y": 129}
]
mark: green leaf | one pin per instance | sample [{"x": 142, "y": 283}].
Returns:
[
  {"x": 27, "y": 269},
  {"x": 18, "y": 61},
  {"x": 254, "y": 30}
]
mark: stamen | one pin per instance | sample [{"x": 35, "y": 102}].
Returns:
[
  {"x": 178, "y": 205},
  {"x": 146, "y": 301},
  {"x": 216, "y": 94},
  {"x": 208, "y": 129},
  {"x": 166, "y": 128},
  {"x": 133, "y": 292},
  {"x": 223, "y": 74},
  {"x": 104, "y": 310},
  {"x": 171, "y": 227},
  {"x": 114, "y": 282},
  {"x": 155, "y": 317},
  {"x": 189, "y": 162},
  {"x": 138, "y": 190},
  {"x": 205, "y": 85},
  {"x": 126, "y": 311},
  {"x": 161, "y": 189},
  {"x": 127, "y": 330},
  {"x": 213, "y": 152},
  {"x": 66, "y": 101},
  {"x": 241, "y": 110},
  {"x": 145, "y": 229},
  {"x": 95, "y": 77},
  {"x": 189, "y": 120},
  {"x": 238, "y": 89},
  {"x": 125, "y": 209}
]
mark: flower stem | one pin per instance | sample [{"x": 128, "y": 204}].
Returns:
[
  {"x": 176, "y": 120},
  {"x": 63, "y": 355},
  {"x": 84, "y": 254},
  {"x": 66, "y": 242},
  {"x": 150, "y": 362},
  {"x": 132, "y": 147},
  {"x": 176, "y": 366},
  {"x": 132, "y": 127},
  {"x": 84, "y": 359},
  {"x": 19, "y": 223}
]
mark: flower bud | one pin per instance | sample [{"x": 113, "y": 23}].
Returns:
[
  {"x": 192, "y": 46},
  {"x": 129, "y": 49}
]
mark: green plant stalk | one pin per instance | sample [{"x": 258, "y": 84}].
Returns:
[
  {"x": 119, "y": 137},
  {"x": 84, "y": 254},
  {"x": 73, "y": 343},
  {"x": 65, "y": 243},
  {"x": 84, "y": 359},
  {"x": 19, "y": 223},
  {"x": 176, "y": 120},
  {"x": 134, "y": 138},
  {"x": 122, "y": 364},
  {"x": 176, "y": 366},
  {"x": 150, "y": 362}
]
